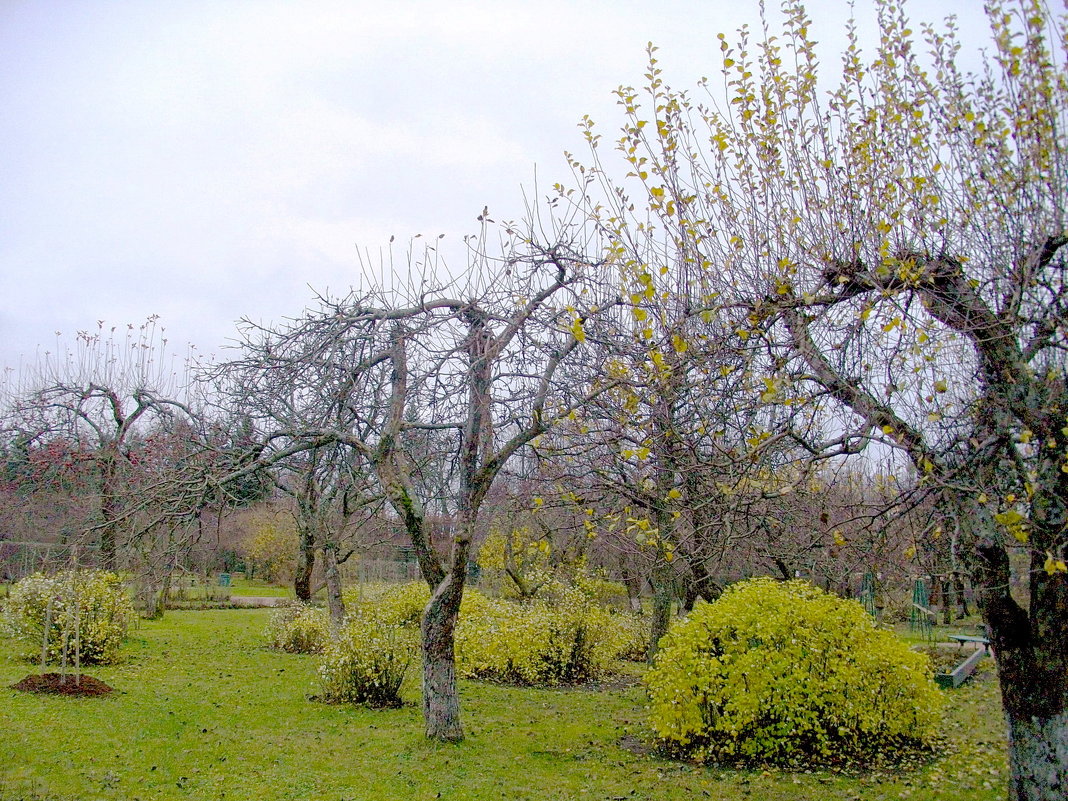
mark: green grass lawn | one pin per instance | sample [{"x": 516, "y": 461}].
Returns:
[
  {"x": 257, "y": 587},
  {"x": 201, "y": 711}
]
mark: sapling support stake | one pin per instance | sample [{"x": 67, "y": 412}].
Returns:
[{"x": 47, "y": 628}]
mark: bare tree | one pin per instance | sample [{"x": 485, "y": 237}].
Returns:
[
  {"x": 101, "y": 396},
  {"x": 437, "y": 389}
]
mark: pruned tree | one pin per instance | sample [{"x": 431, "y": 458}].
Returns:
[
  {"x": 437, "y": 389},
  {"x": 100, "y": 397}
]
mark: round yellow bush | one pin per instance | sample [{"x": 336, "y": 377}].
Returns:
[{"x": 785, "y": 673}]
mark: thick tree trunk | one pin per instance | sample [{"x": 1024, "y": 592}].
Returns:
[
  {"x": 634, "y": 588},
  {"x": 441, "y": 701},
  {"x": 1032, "y": 673},
  {"x": 962, "y": 598},
  {"x": 1038, "y": 758},
  {"x": 305, "y": 565},
  {"x": 332, "y": 576},
  {"x": 161, "y": 597}
]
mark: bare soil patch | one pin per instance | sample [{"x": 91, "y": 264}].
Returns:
[{"x": 59, "y": 684}]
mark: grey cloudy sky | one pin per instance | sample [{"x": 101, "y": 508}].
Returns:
[{"x": 204, "y": 161}]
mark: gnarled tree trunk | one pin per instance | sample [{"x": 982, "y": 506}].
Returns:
[
  {"x": 441, "y": 701},
  {"x": 1032, "y": 669}
]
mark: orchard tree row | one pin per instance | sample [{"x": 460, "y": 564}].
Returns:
[{"x": 799, "y": 323}]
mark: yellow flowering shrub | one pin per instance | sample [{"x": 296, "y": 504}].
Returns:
[
  {"x": 90, "y": 613},
  {"x": 786, "y": 673},
  {"x": 366, "y": 663},
  {"x": 569, "y": 640},
  {"x": 298, "y": 629},
  {"x": 630, "y": 636}
]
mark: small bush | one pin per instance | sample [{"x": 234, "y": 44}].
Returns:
[
  {"x": 602, "y": 592},
  {"x": 298, "y": 629},
  {"x": 630, "y": 636},
  {"x": 568, "y": 641},
  {"x": 366, "y": 663},
  {"x": 91, "y": 612},
  {"x": 394, "y": 604},
  {"x": 785, "y": 673}
]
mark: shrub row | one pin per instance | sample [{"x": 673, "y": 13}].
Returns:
[{"x": 564, "y": 637}]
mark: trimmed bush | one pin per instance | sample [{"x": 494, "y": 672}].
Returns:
[
  {"x": 565, "y": 642},
  {"x": 90, "y": 614},
  {"x": 785, "y": 673},
  {"x": 366, "y": 663},
  {"x": 298, "y": 629}
]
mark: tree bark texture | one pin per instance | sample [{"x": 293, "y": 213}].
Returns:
[
  {"x": 662, "y": 580},
  {"x": 334, "y": 600},
  {"x": 305, "y": 565},
  {"x": 1031, "y": 670},
  {"x": 1038, "y": 758},
  {"x": 332, "y": 576},
  {"x": 441, "y": 701}
]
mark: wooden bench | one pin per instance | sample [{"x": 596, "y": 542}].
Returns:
[{"x": 982, "y": 642}]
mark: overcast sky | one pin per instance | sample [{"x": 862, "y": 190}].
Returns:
[{"x": 206, "y": 161}]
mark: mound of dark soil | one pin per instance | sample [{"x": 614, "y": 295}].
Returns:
[{"x": 58, "y": 684}]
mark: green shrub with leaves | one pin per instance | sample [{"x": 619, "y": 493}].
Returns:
[
  {"x": 569, "y": 640},
  {"x": 366, "y": 663},
  {"x": 87, "y": 613},
  {"x": 298, "y": 629},
  {"x": 786, "y": 673}
]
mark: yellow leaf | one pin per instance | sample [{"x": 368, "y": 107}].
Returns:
[
  {"x": 578, "y": 331},
  {"x": 941, "y": 386},
  {"x": 674, "y": 493},
  {"x": 1053, "y": 565}
]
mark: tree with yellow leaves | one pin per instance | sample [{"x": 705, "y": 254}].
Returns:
[{"x": 891, "y": 254}]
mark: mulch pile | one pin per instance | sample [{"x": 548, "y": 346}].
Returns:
[{"x": 58, "y": 684}]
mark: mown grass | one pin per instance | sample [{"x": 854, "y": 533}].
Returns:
[
  {"x": 258, "y": 587},
  {"x": 203, "y": 711}
]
